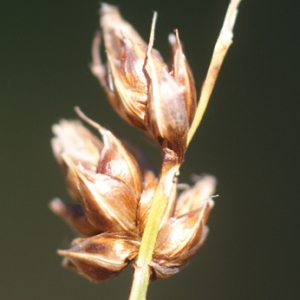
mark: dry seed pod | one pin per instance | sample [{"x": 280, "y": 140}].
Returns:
[
  {"x": 74, "y": 142},
  {"x": 100, "y": 257},
  {"x": 180, "y": 238},
  {"x": 166, "y": 118},
  {"x": 139, "y": 84},
  {"x": 176, "y": 243},
  {"x": 104, "y": 177}
]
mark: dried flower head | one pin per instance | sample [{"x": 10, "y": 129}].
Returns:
[
  {"x": 140, "y": 86},
  {"x": 96, "y": 172},
  {"x": 122, "y": 211},
  {"x": 105, "y": 180},
  {"x": 113, "y": 201}
]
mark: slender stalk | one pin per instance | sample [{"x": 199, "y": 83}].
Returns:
[
  {"x": 142, "y": 271},
  {"x": 159, "y": 203},
  {"x": 221, "y": 47}
]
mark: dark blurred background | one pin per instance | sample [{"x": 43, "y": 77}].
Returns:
[{"x": 248, "y": 140}]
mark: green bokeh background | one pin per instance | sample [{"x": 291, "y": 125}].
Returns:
[{"x": 249, "y": 140}]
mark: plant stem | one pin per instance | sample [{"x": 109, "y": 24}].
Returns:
[
  {"x": 159, "y": 203},
  {"x": 221, "y": 47}
]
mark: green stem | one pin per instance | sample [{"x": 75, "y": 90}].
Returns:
[{"x": 159, "y": 203}]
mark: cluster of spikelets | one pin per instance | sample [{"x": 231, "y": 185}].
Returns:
[{"x": 113, "y": 193}]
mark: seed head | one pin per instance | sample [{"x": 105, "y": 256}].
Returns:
[
  {"x": 96, "y": 172},
  {"x": 140, "y": 86},
  {"x": 113, "y": 202},
  {"x": 113, "y": 193}
]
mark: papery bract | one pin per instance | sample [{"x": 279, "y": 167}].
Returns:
[{"x": 100, "y": 257}]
